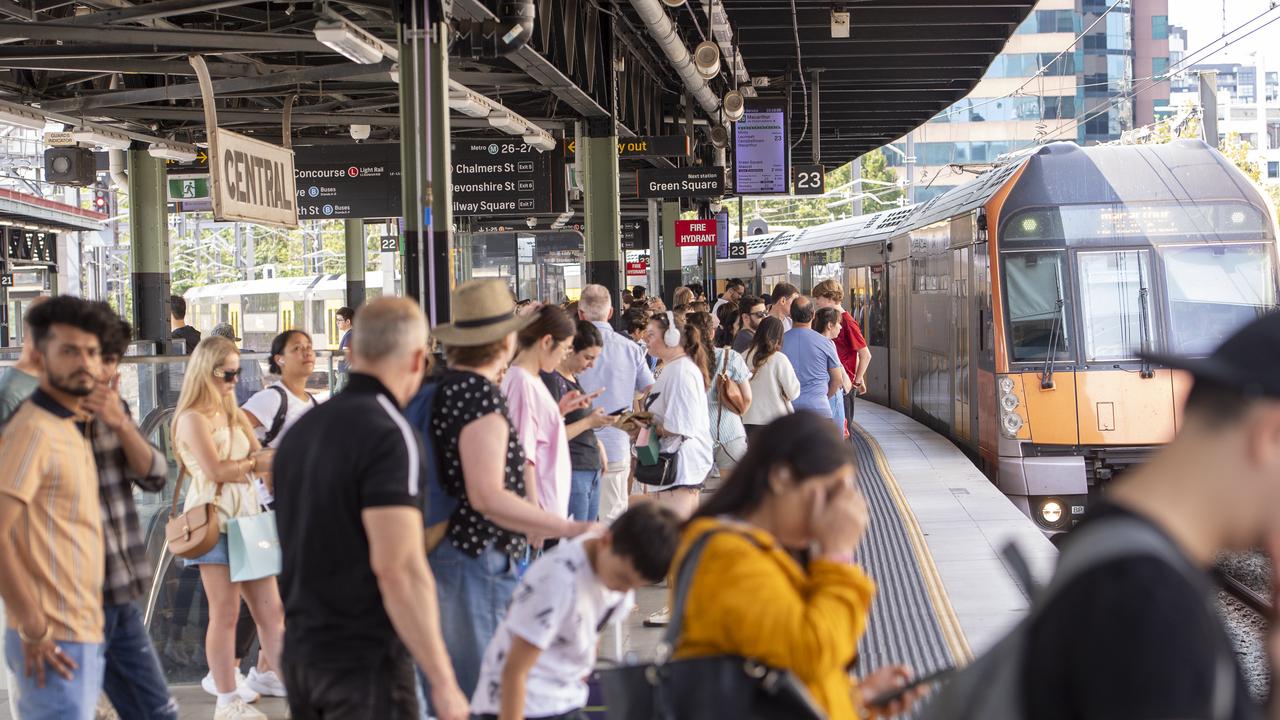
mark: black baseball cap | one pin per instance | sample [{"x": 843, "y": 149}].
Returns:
[{"x": 1246, "y": 361}]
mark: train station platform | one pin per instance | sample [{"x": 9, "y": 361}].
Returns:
[{"x": 933, "y": 548}]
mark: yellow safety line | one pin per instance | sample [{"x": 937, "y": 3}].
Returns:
[{"x": 942, "y": 608}]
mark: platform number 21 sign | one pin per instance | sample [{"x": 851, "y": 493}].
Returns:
[{"x": 809, "y": 179}]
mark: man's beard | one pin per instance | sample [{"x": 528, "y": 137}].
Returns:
[{"x": 64, "y": 384}]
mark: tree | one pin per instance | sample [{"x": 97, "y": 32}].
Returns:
[{"x": 875, "y": 166}]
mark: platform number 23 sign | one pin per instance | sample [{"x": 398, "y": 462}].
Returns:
[{"x": 809, "y": 179}]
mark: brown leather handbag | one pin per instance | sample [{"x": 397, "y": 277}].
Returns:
[
  {"x": 194, "y": 532},
  {"x": 730, "y": 394}
]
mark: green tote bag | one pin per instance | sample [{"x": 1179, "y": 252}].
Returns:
[{"x": 254, "y": 547}]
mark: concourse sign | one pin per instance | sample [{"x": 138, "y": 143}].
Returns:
[{"x": 348, "y": 181}]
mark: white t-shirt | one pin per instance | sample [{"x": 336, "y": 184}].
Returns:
[
  {"x": 681, "y": 408},
  {"x": 559, "y": 607},
  {"x": 266, "y": 403}
]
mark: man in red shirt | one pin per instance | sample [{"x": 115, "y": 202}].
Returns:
[{"x": 851, "y": 346}]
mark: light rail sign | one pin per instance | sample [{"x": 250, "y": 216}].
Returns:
[
  {"x": 252, "y": 180},
  {"x": 692, "y": 182},
  {"x": 696, "y": 233},
  {"x": 348, "y": 181}
]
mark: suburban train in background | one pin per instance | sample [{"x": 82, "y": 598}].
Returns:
[{"x": 1009, "y": 312}]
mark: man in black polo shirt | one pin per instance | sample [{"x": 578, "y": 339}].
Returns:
[
  {"x": 356, "y": 586},
  {"x": 1138, "y": 636}
]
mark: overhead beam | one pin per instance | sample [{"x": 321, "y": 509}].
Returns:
[
  {"x": 111, "y": 98},
  {"x": 157, "y": 67},
  {"x": 265, "y": 117},
  {"x": 749, "y": 35},
  {"x": 157, "y": 38},
  {"x": 152, "y": 11}
]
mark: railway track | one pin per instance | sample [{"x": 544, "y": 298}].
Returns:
[{"x": 1245, "y": 594}]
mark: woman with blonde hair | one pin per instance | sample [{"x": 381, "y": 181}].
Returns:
[{"x": 216, "y": 448}]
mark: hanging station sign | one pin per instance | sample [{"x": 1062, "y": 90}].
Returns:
[
  {"x": 809, "y": 179},
  {"x": 252, "y": 180},
  {"x": 635, "y": 234},
  {"x": 645, "y": 146},
  {"x": 502, "y": 175},
  {"x": 761, "y": 152},
  {"x": 696, "y": 233},
  {"x": 692, "y": 182},
  {"x": 348, "y": 181}
]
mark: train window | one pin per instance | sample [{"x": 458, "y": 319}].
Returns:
[
  {"x": 1213, "y": 290},
  {"x": 1105, "y": 224},
  {"x": 1116, "y": 305},
  {"x": 1037, "y": 307}
]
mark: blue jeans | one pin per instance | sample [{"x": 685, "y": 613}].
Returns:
[
  {"x": 133, "y": 680},
  {"x": 59, "y": 699},
  {"x": 584, "y": 495},
  {"x": 473, "y": 595}
]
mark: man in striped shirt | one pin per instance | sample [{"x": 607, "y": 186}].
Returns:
[{"x": 51, "y": 553}]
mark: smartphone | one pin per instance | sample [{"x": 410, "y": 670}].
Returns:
[
  {"x": 884, "y": 699},
  {"x": 618, "y": 412}
]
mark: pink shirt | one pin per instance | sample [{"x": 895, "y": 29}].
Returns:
[{"x": 540, "y": 429}]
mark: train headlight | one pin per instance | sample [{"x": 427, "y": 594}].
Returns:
[
  {"x": 1006, "y": 385},
  {"x": 1051, "y": 511},
  {"x": 1012, "y": 423},
  {"x": 1008, "y": 402}
]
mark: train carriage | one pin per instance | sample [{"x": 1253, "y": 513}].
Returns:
[{"x": 1009, "y": 313}]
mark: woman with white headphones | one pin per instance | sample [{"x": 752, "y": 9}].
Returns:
[{"x": 680, "y": 408}]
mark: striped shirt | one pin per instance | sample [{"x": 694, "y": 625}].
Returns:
[{"x": 46, "y": 463}]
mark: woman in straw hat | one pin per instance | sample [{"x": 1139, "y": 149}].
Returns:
[{"x": 482, "y": 465}]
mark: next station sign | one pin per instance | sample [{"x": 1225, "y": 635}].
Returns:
[
  {"x": 696, "y": 233},
  {"x": 693, "y": 182}
]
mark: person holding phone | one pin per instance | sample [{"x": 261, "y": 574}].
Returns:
[
  {"x": 586, "y": 454},
  {"x": 749, "y": 596}
]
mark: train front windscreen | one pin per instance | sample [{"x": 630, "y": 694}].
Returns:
[{"x": 1177, "y": 278}]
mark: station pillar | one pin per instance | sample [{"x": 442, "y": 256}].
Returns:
[
  {"x": 356, "y": 248},
  {"x": 149, "y": 245},
  {"x": 598, "y": 144},
  {"x": 672, "y": 265},
  {"x": 424, "y": 150}
]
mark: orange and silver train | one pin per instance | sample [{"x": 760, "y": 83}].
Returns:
[{"x": 1009, "y": 312}]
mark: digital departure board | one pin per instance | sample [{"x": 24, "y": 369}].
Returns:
[{"x": 761, "y": 151}]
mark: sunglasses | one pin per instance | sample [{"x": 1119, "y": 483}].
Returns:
[
  {"x": 227, "y": 375},
  {"x": 760, "y": 315}
]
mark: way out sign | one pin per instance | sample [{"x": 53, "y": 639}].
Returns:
[
  {"x": 253, "y": 180},
  {"x": 696, "y": 233}
]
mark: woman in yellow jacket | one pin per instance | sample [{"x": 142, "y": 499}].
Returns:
[{"x": 794, "y": 490}]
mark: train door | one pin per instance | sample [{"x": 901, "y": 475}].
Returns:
[
  {"x": 900, "y": 336},
  {"x": 961, "y": 313}
]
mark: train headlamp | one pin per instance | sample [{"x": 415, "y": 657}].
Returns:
[
  {"x": 1008, "y": 402},
  {"x": 1237, "y": 217},
  {"x": 1030, "y": 225},
  {"x": 1006, "y": 385},
  {"x": 1051, "y": 511},
  {"x": 1012, "y": 423}
]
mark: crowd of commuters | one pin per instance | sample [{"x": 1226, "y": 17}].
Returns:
[{"x": 468, "y": 554}]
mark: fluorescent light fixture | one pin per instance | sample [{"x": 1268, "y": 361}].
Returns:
[
  {"x": 102, "y": 138},
  {"x": 349, "y": 41},
  {"x": 22, "y": 118},
  {"x": 395, "y": 73},
  {"x": 178, "y": 152},
  {"x": 468, "y": 103},
  {"x": 507, "y": 122},
  {"x": 540, "y": 140}
]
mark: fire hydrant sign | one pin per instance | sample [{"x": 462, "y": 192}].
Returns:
[
  {"x": 696, "y": 233},
  {"x": 252, "y": 180}
]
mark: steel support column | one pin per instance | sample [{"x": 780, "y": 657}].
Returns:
[
  {"x": 356, "y": 249},
  {"x": 672, "y": 266},
  {"x": 149, "y": 245},
  {"x": 598, "y": 144},
  {"x": 440, "y": 260}
]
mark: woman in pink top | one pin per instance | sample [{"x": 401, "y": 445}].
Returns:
[{"x": 537, "y": 417}]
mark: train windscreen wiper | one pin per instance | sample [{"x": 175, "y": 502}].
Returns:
[
  {"x": 1046, "y": 377},
  {"x": 1144, "y": 317}
]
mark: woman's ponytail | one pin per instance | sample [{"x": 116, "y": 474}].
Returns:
[{"x": 695, "y": 346}]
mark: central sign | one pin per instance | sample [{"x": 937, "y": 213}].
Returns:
[
  {"x": 680, "y": 182},
  {"x": 349, "y": 181},
  {"x": 761, "y": 152},
  {"x": 501, "y": 175},
  {"x": 252, "y": 180},
  {"x": 696, "y": 233}
]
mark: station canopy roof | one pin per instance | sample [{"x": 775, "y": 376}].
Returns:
[{"x": 123, "y": 63}]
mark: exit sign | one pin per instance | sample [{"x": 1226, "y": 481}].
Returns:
[
  {"x": 188, "y": 188},
  {"x": 696, "y": 233}
]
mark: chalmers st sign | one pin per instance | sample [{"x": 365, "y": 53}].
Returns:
[{"x": 253, "y": 181}]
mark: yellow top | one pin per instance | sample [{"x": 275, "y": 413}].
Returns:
[
  {"x": 237, "y": 499},
  {"x": 758, "y": 602}
]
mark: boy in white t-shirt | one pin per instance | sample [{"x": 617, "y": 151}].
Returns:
[{"x": 539, "y": 660}]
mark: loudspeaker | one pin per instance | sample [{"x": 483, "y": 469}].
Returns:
[
  {"x": 734, "y": 106},
  {"x": 69, "y": 166},
  {"x": 706, "y": 59}
]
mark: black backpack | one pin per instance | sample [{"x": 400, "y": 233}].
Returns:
[{"x": 277, "y": 423}]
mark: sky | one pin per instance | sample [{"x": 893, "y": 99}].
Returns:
[{"x": 1204, "y": 22}]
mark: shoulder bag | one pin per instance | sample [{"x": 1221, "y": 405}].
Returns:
[
  {"x": 729, "y": 393},
  {"x": 194, "y": 532},
  {"x": 723, "y": 686}
]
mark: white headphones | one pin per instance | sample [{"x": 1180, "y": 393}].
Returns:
[{"x": 672, "y": 336}]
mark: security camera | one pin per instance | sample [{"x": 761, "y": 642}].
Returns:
[
  {"x": 531, "y": 221},
  {"x": 360, "y": 132}
]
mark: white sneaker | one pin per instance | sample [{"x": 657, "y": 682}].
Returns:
[
  {"x": 237, "y": 710},
  {"x": 265, "y": 683},
  {"x": 247, "y": 694},
  {"x": 660, "y": 618}
]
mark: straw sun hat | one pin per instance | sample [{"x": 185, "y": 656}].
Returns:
[{"x": 483, "y": 312}]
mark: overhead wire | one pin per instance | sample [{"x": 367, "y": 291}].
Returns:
[{"x": 795, "y": 30}]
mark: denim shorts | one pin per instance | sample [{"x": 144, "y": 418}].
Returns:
[{"x": 218, "y": 555}]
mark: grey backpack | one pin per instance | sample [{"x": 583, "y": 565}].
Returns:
[{"x": 990, "y": 688}]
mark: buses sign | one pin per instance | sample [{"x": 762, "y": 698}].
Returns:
[
  {"x": 696, "y": 233},
  {"x": 253, "y": 181}
]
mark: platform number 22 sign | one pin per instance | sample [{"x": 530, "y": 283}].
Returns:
[{"x": 809, "y": 179}]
